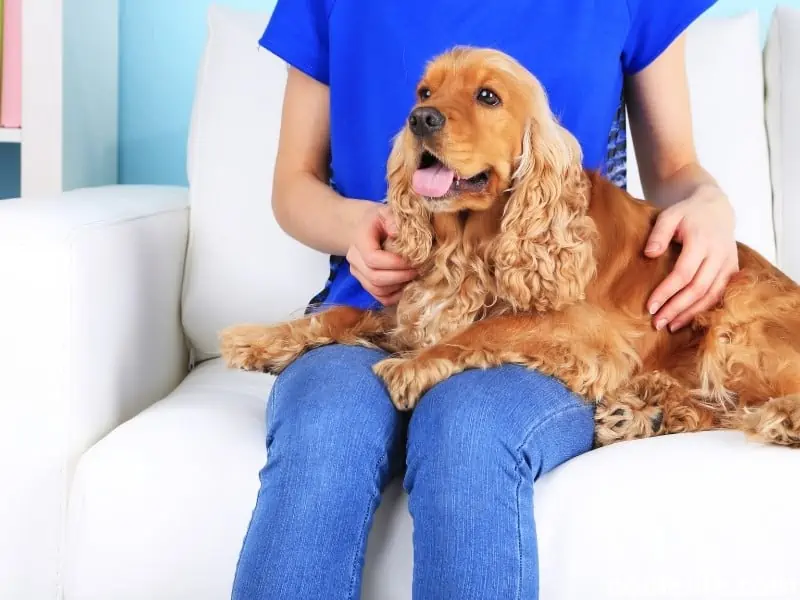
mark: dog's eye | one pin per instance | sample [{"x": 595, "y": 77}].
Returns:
[
  {"x": 488, "y": 97},
  {"x": 424, "y": 93}
]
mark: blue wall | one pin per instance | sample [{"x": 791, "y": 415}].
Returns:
[{"x": 161, "y": 43}]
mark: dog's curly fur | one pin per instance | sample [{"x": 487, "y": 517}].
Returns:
[{"x": 543, "y": 267}]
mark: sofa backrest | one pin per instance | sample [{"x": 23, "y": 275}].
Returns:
[{"x": 242, "y": 267}]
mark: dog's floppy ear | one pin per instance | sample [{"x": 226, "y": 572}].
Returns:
[
  {"x": 414, "y": 239},
  {"x": 543, "y": 255}
]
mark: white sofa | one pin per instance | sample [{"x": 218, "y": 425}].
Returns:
[{"x": 129, "y": 454}]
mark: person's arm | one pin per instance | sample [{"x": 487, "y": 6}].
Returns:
[
  {"x": 696, "y": 211},
  {"x": 305, "y": 206},
  {"x": 310, "y": 211}
]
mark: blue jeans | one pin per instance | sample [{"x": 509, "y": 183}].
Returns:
[{"x": 471, "y": 451}]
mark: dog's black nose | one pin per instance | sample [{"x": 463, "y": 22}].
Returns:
[{"x": 425, "y": 121}]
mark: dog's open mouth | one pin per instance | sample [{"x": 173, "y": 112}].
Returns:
[{"x": 435, "y": 180}]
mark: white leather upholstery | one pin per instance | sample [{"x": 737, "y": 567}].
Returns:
[
  {"x": 89, "y": 336},
  {"x": 90, "y": 325},
  {"x": 696, "y": 516},
  {"x": 164, "y": 500},
  {"x": 783, "y": 124},
  {"x": 724, "y": 68}
]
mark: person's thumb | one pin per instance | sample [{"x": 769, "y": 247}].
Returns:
[
  {"x": 663, "y": 232},
  {"x": 387, "y": 221}
]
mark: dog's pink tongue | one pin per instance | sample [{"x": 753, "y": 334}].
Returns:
[{"x": 433, "y": 182}]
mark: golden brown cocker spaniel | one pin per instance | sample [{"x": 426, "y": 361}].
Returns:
[{"x": 524, "y": 257}]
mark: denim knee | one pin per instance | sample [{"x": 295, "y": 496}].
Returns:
[
  {"x": 330, "y": 416},
  {"x": 496, "y": 418},
  {"x": 331, "y": 435}
]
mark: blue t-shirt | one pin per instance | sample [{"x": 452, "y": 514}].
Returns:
[{"x": 372, "y": 53}]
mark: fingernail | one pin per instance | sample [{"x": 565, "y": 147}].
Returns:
[
  {"x": 660, "y": 324},
  {"x": 676, "y": 327},
  {"x": 653, "y": 247},
  {"x": 654, "y": 308}
]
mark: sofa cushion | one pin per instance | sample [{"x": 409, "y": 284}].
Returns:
[
  {"x": 726, "y": 85},
  {"x": 782, "y": 68},
  {"x": 159, "y": 509},
  {"x": 241, "y": 266}
]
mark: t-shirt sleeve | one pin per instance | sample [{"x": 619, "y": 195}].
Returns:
[
  {"x": 297, "y": 32},
  {"x": 654, "y": 25}
]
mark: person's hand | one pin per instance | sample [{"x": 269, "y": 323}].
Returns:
[
  {"x": 383, "y": 274},
  {"x": 704, "y": 224}
]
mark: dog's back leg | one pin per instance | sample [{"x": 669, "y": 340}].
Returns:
[
  {"x": 271, "y": 348},
  {"x": 770, "y": 411},
  {"x": 648, "y": 405},
  {"x": 750, "y": 357},
  {"x": 776, "y": 420}
]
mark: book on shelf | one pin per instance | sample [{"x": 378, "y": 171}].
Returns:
[{"x": 11, "y": 64}]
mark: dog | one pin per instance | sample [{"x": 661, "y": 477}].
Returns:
[{"x": 526, "y": 257}]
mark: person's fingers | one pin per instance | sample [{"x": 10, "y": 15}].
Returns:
[
  {"x": 377, "y": 283},
  {"x": 682, "y": 275},
  {"x": 385, "y": 291},
  {"x": 381, "y": 260},
  {"x": 663, "y": 232},
  {"x": 356, "y": 261},
  {"x": 382, "y": 293},
  {"x": 374, "y": 256},
  {"x": 389, "y": 278},
  {"x": 387, "y": 221},
  {"x": 691, "y": 294},
  {"x": 389, "y": 300},
  {"x": 393, "y": 273},
  {"x": 712, "y": 297},
  {"x": 381, "y": 273},
  {"x": 377, "y": 292}
]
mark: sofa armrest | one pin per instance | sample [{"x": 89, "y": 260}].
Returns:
[{"x": 90, "y": 335}]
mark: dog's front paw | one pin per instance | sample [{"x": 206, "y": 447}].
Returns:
[
  {"x": 404, "y": 381},
  {"x": 268, "y": 349}
]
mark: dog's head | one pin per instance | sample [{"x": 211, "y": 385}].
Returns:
[
  {"x": 482, "y": 136},
  {"x": 480, "y": 122}
]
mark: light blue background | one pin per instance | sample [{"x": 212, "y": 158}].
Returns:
[
  {"x": 160, "y": 45},
  {"x": 161, "y": 42}
]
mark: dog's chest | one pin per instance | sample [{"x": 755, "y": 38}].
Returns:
[{"x": 435, "y": 306}]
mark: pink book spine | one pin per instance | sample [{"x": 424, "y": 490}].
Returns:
[{"x": 11, "y": 97}]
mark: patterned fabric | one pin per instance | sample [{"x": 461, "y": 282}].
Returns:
[
  {"x": 616, "y": 166},
  {"x": 319, "y": 299}
]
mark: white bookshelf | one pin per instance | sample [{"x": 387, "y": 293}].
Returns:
[
  {"x": 70, "y": 56},
  {"x": 10, "y": 136}
]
